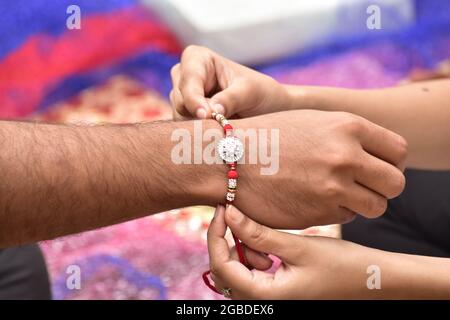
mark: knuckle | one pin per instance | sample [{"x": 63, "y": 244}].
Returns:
[
  {"x": 174, "y": 70},
  {"x": 398, "y": 184},
  {"x": 340, "y": 159},
  {"x": 347, "y": 216},
  {"x": 215, "y": 271},
  {"x": 192, "y": 48},
  {"x": 332, "y": 189},
  {"x": 402, "y": 148},
  {"x": 376, "y": 207},
  {"x": 258, "y": 233},
  {"x": 352, "y": 123}
]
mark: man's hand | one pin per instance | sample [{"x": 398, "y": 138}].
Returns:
[
  {"x": 318, "y": 267},
  {"x": 204, "y": 80},
  {"x": 332, "y": 165}
]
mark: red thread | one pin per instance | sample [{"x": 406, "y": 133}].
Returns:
[
  {"x": 242, "y": 259},
  {"x": 232, "y": 174},
  {"x": 208, "y": 283},
  {"x": 240, "y": 250}
]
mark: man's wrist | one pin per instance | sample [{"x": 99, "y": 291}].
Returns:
[
  {"x": 215, "y": 187},
  {"x": 203, "y": 182},
  {"x": 210, "y": 186}
]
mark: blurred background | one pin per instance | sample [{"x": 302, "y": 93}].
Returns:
[{"x": 115, "y": 68}]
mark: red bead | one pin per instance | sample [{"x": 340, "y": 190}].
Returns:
[
  {"x": 232, "y": 174},
  {"x": 227, "y": 127}
]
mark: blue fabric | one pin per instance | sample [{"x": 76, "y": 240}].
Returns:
[
  {"x": 22, "y": 18},
  {"x": 419, "y": 44},
  {"x": 419, "y": 41},
  {"x": 151, "y": 68}
]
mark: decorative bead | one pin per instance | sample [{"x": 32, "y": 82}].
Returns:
[
  {"x": 227, "y": 127},
  {"x": 231, "y": 191},
  {"x": 232, "y": 174}
]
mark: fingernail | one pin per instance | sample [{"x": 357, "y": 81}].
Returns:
[
  {"x": 201, "y": 113},
  {"x": 218, "y": 108},
  {"x": 234, "y": 214}
]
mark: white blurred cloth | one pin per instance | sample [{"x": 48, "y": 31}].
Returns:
[{"x": 254, "y": 31}]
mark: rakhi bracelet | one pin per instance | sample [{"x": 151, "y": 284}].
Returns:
[{"x": 230, "y": 149}]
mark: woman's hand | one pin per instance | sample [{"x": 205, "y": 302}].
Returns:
[
  {"x": 317, "y": 267},
  {"x": 204, "y": 80},
  {"x": 311, "y": 267}
]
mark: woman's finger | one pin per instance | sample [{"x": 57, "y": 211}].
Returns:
[
  {"x": 197, "y": 76},
  {"x": 176, "y": 98},
  {"x": 255, "y": 259},
  {"x": 259, "y": 237},
  {"x": 229, "y": 272}
]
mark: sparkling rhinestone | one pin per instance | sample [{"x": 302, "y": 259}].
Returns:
[
  {"x": 232, "y": 183},
  {"x": 230, "y": 196},
  {"x": 230, "y": 149}
]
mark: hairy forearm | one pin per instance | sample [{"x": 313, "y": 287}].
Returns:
[
  {"x": 419, "y": 112},
  {"x": 59, "y": 179}
]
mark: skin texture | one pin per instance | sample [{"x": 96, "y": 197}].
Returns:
[
  {"x": 60, "y": 179},
  {"x": 420, "y": 113},
  {"x": 204, "y": 80},
  {"x": 318, "y": 189},
  {"x": 354, "y": 176},
  {"x": 317, "y": 267}
]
